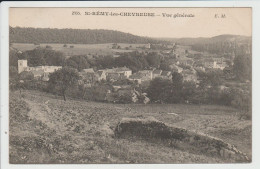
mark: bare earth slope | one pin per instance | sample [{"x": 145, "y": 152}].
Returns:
[{"x": 45, "y": 129}]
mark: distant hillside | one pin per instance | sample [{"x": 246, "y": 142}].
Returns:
[
  {"x": 74, "y": 36},
  {"x": 218, "y": 44},
  {"x": 185, "y": 41},
  {"x": 215, "y": 39}
]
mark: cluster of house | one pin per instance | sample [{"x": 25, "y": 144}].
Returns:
[
  {"x": 89, "y": 76},
  {"x": 148, "y": 75},
  {"x": 215, "y": 63},
  {"x": 39, "y": 72}
]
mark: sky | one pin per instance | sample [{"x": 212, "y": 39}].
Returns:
[{"x": 207, "y": 22}]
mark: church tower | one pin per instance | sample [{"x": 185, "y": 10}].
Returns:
[{"x": 22, "y": 65}]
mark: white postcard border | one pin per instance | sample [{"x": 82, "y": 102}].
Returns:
[{"x": 256, "y": 81}]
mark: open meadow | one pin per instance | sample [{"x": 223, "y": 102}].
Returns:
[
  {"x": 45, "y": 129},
  {"x": 80, "y": 49}
]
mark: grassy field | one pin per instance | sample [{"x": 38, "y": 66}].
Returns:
[
  {"x": 45, "y": 129},
  {"x": 80, "y": 49}
]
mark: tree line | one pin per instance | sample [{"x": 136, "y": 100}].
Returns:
[
  {"x": 73, "y": 36},
  {"x": 44, "y": 56}
]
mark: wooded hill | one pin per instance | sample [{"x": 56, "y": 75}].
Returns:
[
  {"x": 73, "y": 36},
  {"x": 217, "y": 44},
  {"x": 214, "y": 39}
]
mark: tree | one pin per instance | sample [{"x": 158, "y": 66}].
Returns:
[
  {"x": 242, "y": 100},
  {"x": 77, "y": 62},
  {"x": 53, "y": 58},
  {"x": 13, "y": 58},
  {"x": 177, "y": 80},
  {"x": 153, "y": 59},
  {"x": 242, "y": 67},
  {"x": 41, "y": 56},
  {"x": 74, "y": 36},
  {"x": 165, "y": 65},
  {"x": 188, "y": 91},
  {"x": 176, "y": 88},
  {"x": 63, "y": 79},
  {"x": 210, "y": 78},
  {"x": 35, "y": 57},
  {"x": 13, "y": 77},
  {"x": 13, "y": 72},
  {"x": 159, "y": 90}
]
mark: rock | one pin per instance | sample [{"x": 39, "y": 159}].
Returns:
[{"x": 151, "y": 129}]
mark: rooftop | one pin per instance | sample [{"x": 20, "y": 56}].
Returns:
[
  {"x": 166, "y": 73},
  {"x": 88, "y": 70},
  {"x": 157, "y": 71}
]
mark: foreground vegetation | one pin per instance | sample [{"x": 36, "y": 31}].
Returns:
[{"x": 45, "y": 129}]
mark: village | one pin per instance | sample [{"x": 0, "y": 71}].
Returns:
[{"x": 178, "y": 58}]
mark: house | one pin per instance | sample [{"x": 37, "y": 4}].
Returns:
[
  {"x": 89, "y": 77},
  {"x": 146, "y": 74},
  {"x": 166, "y": 75},
  {"x": 148, "y": 46},
  {"x": 136, "y": 77},
  {"x": 190, "y": 78},
  {"x": 115, "y": 76},
  {"x": 216, "y": 63},
  {"x": 90, "y": 70},
  {"x": 156, "y": 73},
  {"x": 126, "y": 71},
  {"x": 185, "y": 61},
  {"x": 39, "y": 72},
  {"x": 210, "y": 63},
  {"x": 102, "y": 75},
  {"x": 142, "y": 76},
  {"x": 218, "y": 60},
  {"x": 111, "y": 72},
  {"x": 199, "y": 68},
  {"x": 221, "y": 65}
]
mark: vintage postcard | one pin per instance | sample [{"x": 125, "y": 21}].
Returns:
[{"x": 130, "y": 85}]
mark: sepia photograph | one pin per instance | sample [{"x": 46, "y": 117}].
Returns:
[{"x": 128, "y": 85}]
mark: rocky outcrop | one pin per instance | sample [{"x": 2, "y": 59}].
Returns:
[{"x": 151, "y": 129}]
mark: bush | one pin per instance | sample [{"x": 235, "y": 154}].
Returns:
[
  {"x": 48, "y": 47},
  {"x": 96, "y": 93},
  {"x": 242, "y": 100},
  {"x": 26, "y": 75},
  {"x": 125, "y": 98}
]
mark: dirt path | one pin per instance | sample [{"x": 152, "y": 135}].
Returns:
[{"x": 42, "y": 112}]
